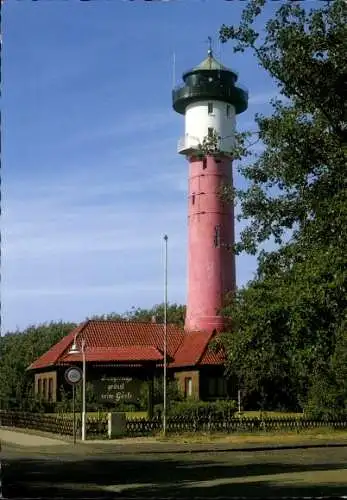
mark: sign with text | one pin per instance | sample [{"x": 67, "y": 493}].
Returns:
[
  {"x": 73, "y": 375},
  {"x": 117, "y": 389}
]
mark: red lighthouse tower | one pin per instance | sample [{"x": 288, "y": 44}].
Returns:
[{"x": 210, "y": 100}]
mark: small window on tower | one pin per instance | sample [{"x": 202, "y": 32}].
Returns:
[
  {"x": 210, "y": 108},
  {"x": 204, "y": 163},
  {"x": 210, "y": 132},
  {"x": 217, "y": 237},
  {"x": 193, "y": 198},
  {"x": 228, "y": 110}
]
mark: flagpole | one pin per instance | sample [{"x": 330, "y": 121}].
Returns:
[
  {"x": 174, "y": 70},
  {"x": 165, "y": 335}
]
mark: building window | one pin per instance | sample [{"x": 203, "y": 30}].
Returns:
[
  {"x": 228, "y": 110},
  {"x": 211, "y": 386},
  {"x": 217, "y": 387},
  {"x": 44, "y": 388},
  {"x": 210, "y": 108},
  {"x": 217, "y": 236},
  {"x": 50, "y": 389},
  {"x": 193, "y": 199},
  {"x": 210, "y": 132},
  {"x": 221, "y": 386},
  {"x": 188, "y": 387},
  {"x": 39, "y": 387}
]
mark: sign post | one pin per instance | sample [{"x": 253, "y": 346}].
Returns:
[{"x": 73, "y": 375}]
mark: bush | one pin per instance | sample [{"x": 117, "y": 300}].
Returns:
[
  {"x": 172, "y": 392},
  {"x": 200, "y": 409},
  {"x": 326, "y": 400}
]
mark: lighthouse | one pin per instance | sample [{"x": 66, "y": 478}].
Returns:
[{"x": 209, "y": 99}]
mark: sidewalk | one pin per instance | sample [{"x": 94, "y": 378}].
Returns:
[
  {"x": 21, "y": 438},
  {"x": 148, "y": 445}
]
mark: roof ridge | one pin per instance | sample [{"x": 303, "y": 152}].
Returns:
[
  {"x": 130, "y": 346},
  {"x": 129, "y": 321}
]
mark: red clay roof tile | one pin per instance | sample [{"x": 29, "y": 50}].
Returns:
[
  {"x": 191, "y": 350},
  {"x": 130, "y": 341},
  {"x": 52, "y": 356},
  {"x": 133, "y": 353},
  {"x": 212, "y": 358}
]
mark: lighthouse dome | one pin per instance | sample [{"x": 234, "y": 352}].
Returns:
[
  {"x": 209, "y": 80},
  {"x": 210, "y": 64}
]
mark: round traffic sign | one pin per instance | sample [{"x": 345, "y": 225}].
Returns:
[{"x": 73, "y": 375}]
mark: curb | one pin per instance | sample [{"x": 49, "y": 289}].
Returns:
[{"x": 242, "y": 448}]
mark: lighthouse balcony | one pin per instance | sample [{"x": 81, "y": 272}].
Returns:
[{"x": 188, "y": 144}]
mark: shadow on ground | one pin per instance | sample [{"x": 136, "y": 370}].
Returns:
[{"x": 178, "y": 477}]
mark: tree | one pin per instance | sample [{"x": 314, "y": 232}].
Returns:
[
  {"x": 17, "y": 351},
  {"x": 175, "y": 314},
  {"x": 288, "y": 322}
]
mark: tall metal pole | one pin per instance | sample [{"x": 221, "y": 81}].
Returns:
[
  {"x": 174, "y": 70},
  {"x": 74, "y": 414},
  {"x": 83, "y": 390},
  {"x": 165, "y": 335}
]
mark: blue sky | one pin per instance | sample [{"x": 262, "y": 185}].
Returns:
[{"x": 91, "y": 177}]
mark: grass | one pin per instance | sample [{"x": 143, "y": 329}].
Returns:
[
  {"x": 95, "y": 414},
  {"x": 131, "y": 415},
  {"x": 269, "y": 414},
  {"x": 278, "y": 437}
]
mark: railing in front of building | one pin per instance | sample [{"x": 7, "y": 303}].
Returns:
[
  {"x": 188, "y": 142},
  {"x": 61, "y": 424},
  {"x": 97, "y": 426}
]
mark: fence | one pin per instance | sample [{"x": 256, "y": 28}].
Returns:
[
  {"x": 37, "y": 421},
  {"x": 143, "y": 427},
  {"x": 97, "y": 426},
  {"x": 58, "y": 424}
]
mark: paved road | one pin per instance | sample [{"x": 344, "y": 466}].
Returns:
[{"x": 105, "y": 471}]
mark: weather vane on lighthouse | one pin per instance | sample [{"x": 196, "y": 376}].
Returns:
[{"x": 209, "y": 41}]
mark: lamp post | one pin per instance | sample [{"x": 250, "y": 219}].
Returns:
[{"x": 75, "y": 350}]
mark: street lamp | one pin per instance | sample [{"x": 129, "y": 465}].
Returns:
[{"x": 75, "y": 350}]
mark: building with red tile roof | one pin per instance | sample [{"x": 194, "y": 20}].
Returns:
[{"x": 129, "y": 348}]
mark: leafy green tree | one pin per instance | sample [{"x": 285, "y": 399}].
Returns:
[
  {"x": 289, "y": 322},
  {"x": 17, "y": 351},
  {"x": 175, "y": 314}
]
